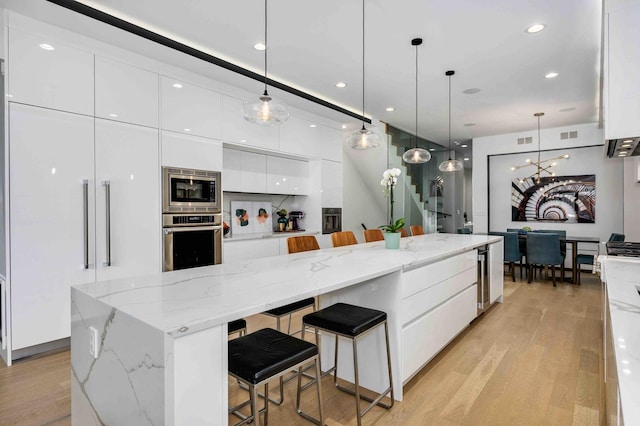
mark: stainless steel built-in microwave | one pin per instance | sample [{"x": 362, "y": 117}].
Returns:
[{"x": 188, "y": 190}]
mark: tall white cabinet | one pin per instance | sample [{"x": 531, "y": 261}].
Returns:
[{"x": 51, "y": 166}]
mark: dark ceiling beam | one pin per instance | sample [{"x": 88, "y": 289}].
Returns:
[{"x": 172, "y": 44}]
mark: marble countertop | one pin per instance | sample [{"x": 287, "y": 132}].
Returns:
[
  {"x": 622, "y": 276},
  {"x": 190, "y": 300}
]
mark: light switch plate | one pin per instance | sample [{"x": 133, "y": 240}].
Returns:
[{"x": 94, "y": 347}]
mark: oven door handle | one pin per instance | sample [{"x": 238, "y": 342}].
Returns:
[{"x": 167, "y": 231}]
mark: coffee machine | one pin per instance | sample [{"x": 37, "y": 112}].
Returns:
[{"x": 295, "y": 217}]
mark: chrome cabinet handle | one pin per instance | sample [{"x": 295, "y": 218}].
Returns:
[
  {"x": 107, "y": 198},
  {"x": 85, "y": 203}
]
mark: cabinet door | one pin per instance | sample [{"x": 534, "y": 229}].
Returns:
[
  {"x": 496, "y": 275},
  {"x": 287, "y": 176},
  {"x": 127, "y": 157},
  {"x": 126, "y": 93},
  {"x": 191, "y": 152},
  {"x": 623, "y": 94},
  {"x": 244, "y": 171},
  {"x": 237, "y": 130},
  {"x": 331, "y": 144},
  {"x": 190, "y": 109},
  {"x": 46, "y": 73},
  {"x": 51, "y": 155},
  {"x": 299, "y": 138},
  {"x": 331, "y": 183}
]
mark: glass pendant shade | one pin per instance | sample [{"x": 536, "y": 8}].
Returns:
[
  {"x": 265, "y": 111},
  {"x": 416, "y": 156},
  {"x": 364, "y": 139},
  {"x": 450, "y": 166}
]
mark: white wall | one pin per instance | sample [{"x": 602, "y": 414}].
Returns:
[
  {"x": 632, "y": 198},
  {"x": 609, "y": 201},
  {"x": 364, "y": 201}
]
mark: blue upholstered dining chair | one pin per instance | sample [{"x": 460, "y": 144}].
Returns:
[
  {"x": 512, "y": 252},
  {"x": 563, "y": 237},
  {"x": 589, "y": 259},
  {"x": 522, "y": 241},
  {"x": 464, "y": 230},
  {"x": 544, "y": 249}
]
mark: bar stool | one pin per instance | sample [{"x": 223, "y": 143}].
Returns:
[
  {"x": 416, "y": 230},
  {"x": 371, "y": 235},
  {"x": 352, "y": 322},
  {"x": 343, "y": 238},
  {"x": 266, "y": 354},
  {"x": 238, "y": 326}
]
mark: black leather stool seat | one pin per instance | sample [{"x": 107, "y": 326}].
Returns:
[
  {"x": 348, "y": 320},
  {"x": 291, "y": 307},
  {"x": 237, "y": 325},
  {"x": 265, "y": 353}
]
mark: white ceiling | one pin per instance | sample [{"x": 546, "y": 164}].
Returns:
[{"x": 314, "y": 44}]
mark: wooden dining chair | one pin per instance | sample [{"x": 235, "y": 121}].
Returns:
[
  {"x": 403, "y": 233},
  {"x": 371, "y": 235},
  {"x": 302, "y": 243},
  {"x": 343, "y": 238},
  {"x": 416, "y": 230}
]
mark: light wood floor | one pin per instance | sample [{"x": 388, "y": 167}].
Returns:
[{"x": 533, "y": 360}]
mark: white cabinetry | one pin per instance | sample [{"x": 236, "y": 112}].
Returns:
[
  {"x": 45, "y": 72},
  {"x": 622, "y": 60},
  {"x": 191, "y": 109},
  {"x": 287, "y": 176},
  {"x": 51, "y": 156},
  {"x": 244, "y": 171},
  {"x": 126, "y": 93},
  {"x": 235, "y": 251},
  {"x": 438, "y": 301},
  {"x": 134, "y": 210},
  {"x": 237, "y": 130},
  {"x": 299, "y": 138},
  {"x": 191, "y": 152}
]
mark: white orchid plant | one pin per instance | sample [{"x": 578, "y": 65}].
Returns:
[{"x": 389, "y": 181}]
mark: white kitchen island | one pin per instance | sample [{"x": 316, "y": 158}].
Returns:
[{"x": 161, "y": 346}]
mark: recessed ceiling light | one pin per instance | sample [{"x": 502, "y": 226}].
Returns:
[
  {"x": 177, "y": 85},
  {"x": 466, "y": 158},
  {"x": 46, "y": 46},
  {"x": 341, "y": 85},
  {"x": 389, "y": 109},
  {"x": 551, "y": 75},
  {"x": 535, "y": 28},
  {"x": 187, "y": 130},
  {"x": 469, "y": 124},
  {"x": 344, "y": 126},
  {"x": 432, "y": 149},
  {"x": 113, "y": 115},
  {"x": 568, "y": 109},
  {"x": 312, "y": 125},
  {"x": 243, "y": 140},
  {"x": 471, "y": 91},
  {"x": 464, "y": 145},
  {"x": 259, "y": 46}
]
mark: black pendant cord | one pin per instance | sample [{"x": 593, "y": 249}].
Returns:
[
  {"x": 538, "y": 165},
  {"x": 265, "y": 48},
  {"x": 416, "y": 144},
  {"x": 450, "y": 116},
  {"x": 363, "y": 34}
]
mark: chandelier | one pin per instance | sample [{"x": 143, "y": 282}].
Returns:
[{"x": 542, "y": 166}]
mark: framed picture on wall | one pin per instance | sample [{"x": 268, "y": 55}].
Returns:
[
  {"x": 570, "y": 199},
  {"x": 251, "y": 217}
]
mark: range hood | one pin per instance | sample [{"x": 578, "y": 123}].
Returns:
[{"x": 622, "y": 148}]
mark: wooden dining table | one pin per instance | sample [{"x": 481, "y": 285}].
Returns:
[{"x": 574, "y": 241}]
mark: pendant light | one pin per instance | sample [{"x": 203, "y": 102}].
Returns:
[
  {"x": 450, "y": 165},
  {"x": 363, "y": 138},
  {"x": 265, "y": 111},
  {"x": 540, "y": 164},
  {"x": 416, "y": 155}
]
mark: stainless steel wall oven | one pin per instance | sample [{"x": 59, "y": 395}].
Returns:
[{"x": 192, "y": 218}]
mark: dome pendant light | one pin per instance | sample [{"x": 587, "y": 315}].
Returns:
[
  {"x": 416, "y": 155},
  {"x": 363, "y": 138},
  {"x": 265, "y": 111},
  {"x": 450, "y": 165}
]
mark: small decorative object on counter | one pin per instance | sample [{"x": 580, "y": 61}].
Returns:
[
  {"x": 282, "y": 219},
  {"x": 392, "y": 230}
]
